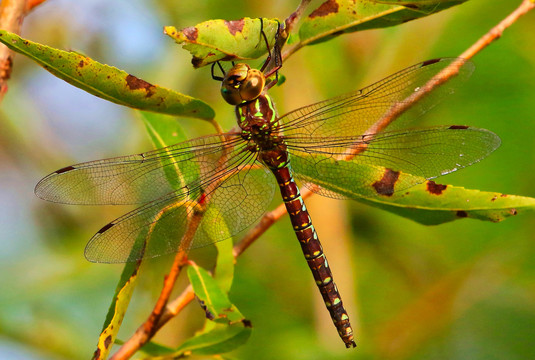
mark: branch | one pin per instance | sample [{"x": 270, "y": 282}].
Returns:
[
  {"x": 496, "y": 32},
  {"x": 294, "y": 17},
  {"x": 32, "y": 4},
  {"x": 174, "y": 307},
  {"x": 147, "y": 330},
  {"x": 12, "y": 12}
]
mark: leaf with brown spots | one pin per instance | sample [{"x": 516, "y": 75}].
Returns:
[
  {"x": 117, "y": 310},
  {"x": 108, "y": 82},
  {"x": 216, "y": 40},
  {"x": 419, "y": 199},
  {"x": 335, "y": 17}
]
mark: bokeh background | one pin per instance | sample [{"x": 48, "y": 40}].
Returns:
[{"x": 463, "y": 290}]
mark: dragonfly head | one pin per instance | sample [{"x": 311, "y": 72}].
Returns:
[{"x": 242, "y": 84}]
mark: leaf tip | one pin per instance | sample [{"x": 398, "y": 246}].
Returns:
[{"x": 170, "y": 31}]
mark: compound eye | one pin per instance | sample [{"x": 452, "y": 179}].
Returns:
[
  {"x": 230, "y": 87},
  {"x": 253, "y": 86},
  {"x": 231, "y": 95},
  {"x": 242, "y": 84}
]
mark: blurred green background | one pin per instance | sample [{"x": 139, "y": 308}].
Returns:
[{"x": 463, "y": 290}]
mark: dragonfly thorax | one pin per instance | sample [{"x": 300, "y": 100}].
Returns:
[
  {"x": 242, "y": 84},
  {"x": 259, "y": 124}
]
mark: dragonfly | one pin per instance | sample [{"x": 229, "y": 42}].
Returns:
[{"x": 231, "y": 178}]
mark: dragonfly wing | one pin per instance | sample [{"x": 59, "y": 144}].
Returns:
[
  {"x": 371, "y": 109},
  {"x": 139, "y": 178},
  {"x": 237, "y": 203},
  {"x": 231, "y": 202},
  {"x": 425, "y": 153}
]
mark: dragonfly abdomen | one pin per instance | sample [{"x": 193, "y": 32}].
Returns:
[{"x": 313, "y": 251}]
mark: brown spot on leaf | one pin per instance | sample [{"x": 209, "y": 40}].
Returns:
[
  {"x": 462, "y": 214},
  {"x": 385, "y": 186},
  {"x": 247, "y": 323},
  {"x": 436, "y": 189},
  {"x": 196, "y": 61},
  {"x": 504, "y": 195},
  {"x": 494, "y": 198},
  {"x": 135, "y": 83},
  {"x": 458, "y": 127},
  {"x": 96, "y": 354},
  {"x": 235, "y": 26},
  {"x": 107, "y": 342},
  {"x": 81, "y": 64},
  {"x": 191, "y": 33},
  {"x": 328, "y": 7},
  {"x": 513, "y": 211}
]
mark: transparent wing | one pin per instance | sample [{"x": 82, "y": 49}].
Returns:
[
  {"x": 359, "y": 112},
  {"x": 352, "y": 161},
  {"x": 157, "y": 228},
  {"x": 139, "y": 178},
  {"x": 216, "y": 174}
]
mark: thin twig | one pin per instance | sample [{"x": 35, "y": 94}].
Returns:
[
  {"x": 32, "y": 4},
  {"x": 174, "y": 307},
  {"x": 496, "y": 32},
  {"x": 290, "y": 23},
  {"x": 294, "y": 17},
  {"x": 12, "y": 13},
  {"x": 147, "y": 330}
]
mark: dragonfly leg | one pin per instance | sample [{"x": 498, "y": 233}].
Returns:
[
  {"x": 214, "y": 76},
  {"x": 277, "y": 57}
]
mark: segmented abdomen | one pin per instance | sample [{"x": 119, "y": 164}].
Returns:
[{"x": 311, "y": 246}]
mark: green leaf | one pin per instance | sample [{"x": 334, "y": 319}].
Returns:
[
  {"x": 217, "y": 341},
  {"x": 422, "y": 5},
  {"x": 163, "y": 132},
  {"x": 224, "y": 274},
  {"x": 108, "y": 82},
  {"x": 335, "y": 17},
  {"x": 222, "y": 40},
  {"x": 155, "y": 349},
  {"x": 117, "y": 309},
  {"x": 427, "y": 202},
  {"x": 215, "y": 300}
]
